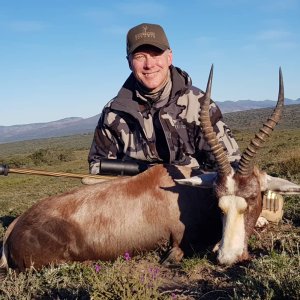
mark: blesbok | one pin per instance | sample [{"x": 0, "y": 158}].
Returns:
[{"x": 103, "y": 221}]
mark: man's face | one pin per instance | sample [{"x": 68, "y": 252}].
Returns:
[{"x": 150, "y": 66}]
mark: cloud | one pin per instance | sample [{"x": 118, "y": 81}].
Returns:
[
  {"x": 99, "y": 15},
  {"x": 110, "y": 20},
  {"x": 278, "y": 38},
  {"x": 142, "y": 9},
  {"x": 273, "y": 35},
  {"x": 269, "y": 6},
  {"x": 286, "y": 45},
  {"x": 278, "y": 5},
  {"x": 205, "y": 40},
  {"x": 129, "y": 8},
  {"x": 25, "y": 26}
]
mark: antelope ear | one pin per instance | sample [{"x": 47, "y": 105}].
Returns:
[
  {"x": 203, "y": 181},
  {"x": 279, "y": 185}
]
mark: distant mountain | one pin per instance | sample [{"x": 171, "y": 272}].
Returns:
[
  {"x": 63, "y": 127},
  {"x": 75, "y": 125},
  {"x": 241, "y": 105}
]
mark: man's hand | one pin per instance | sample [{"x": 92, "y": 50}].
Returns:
[{"x": 95, "y": 168}]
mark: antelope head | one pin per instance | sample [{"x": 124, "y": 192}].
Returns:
[{"x": 239, "y": 191}]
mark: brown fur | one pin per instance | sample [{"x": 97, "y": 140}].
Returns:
[
  {"x": 106, "y": 220},
  {"x": 250, "y": 189}
]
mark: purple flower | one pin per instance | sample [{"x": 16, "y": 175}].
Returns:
[
  {"x": 97, "y": 268},
  {"x": 127, "y": 256},
  {"x": 154, "y": 272},
  {"x": 174, "y": 297}
]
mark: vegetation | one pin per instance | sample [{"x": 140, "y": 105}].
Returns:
[{"x": 273, "y": 272}]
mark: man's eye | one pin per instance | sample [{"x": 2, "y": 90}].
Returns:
[{"x": 139, "y": 57}]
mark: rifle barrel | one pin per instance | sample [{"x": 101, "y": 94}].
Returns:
[{"x": 58, "y": 174}]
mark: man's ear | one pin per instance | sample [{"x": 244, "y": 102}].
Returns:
[
  {"x": 170, "y": 57},
  {"x": 129, "y": 62}
]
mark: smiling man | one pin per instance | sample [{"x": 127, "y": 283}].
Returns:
[
  {"x": 150, "y": 66},
  {"x": 154, "y": 117},
  {"x": 149, "y": 62}
]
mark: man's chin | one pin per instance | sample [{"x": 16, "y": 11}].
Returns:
[{"x": 150, "y": 85}]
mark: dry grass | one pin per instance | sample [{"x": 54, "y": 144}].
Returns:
[{"x": 272, "y": 273}]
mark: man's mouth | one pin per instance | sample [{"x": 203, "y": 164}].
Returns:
[{"x": 152, "y": 74}]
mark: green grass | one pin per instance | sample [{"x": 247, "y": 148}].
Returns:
[{"x": 272, "y": 273}]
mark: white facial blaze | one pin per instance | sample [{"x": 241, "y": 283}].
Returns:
[{"x": 232, "y": 244}]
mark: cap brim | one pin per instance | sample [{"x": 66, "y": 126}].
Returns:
[{"x": 159, "y": 46}]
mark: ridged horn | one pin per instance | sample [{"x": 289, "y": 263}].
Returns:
[
  {"x": 246, "y": 163},
  {"x": 210, "y": 136}
]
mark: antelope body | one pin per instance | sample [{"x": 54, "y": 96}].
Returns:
[
  {"x": 136, "y": 214},
  {"x": 105, "y": 220}
]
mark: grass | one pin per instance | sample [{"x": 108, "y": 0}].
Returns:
[{"x": 272, "y": 273}]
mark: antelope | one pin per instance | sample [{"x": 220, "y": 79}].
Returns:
[{"x": 135, "y": 214}]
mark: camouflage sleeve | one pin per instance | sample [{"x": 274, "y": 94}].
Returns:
[
  {"x": 104, "y": 145},
  {"x": 225, "y": 137}
]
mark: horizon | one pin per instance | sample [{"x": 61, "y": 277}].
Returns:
[
  {"x": 67, "y": 59},
  {"x": 88, "y": 117}
]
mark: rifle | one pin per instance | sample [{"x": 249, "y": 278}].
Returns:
[{"x": 109, "y": 169}]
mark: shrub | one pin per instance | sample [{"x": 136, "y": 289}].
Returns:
[
  {"x": 289, "y": 167},
  {"x": 16, "y": 161},
  {"x": 51, "y": 156}
]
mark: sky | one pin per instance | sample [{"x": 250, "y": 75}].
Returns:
[{"x": 67, "y": 58}]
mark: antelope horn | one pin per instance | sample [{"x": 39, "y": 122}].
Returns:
[
  {"x": 208, "y": 131},
  {"x": 246, "y": 163}
]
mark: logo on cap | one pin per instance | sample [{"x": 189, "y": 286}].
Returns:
[{"x": 145, "y": 34}]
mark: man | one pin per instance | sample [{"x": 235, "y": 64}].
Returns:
[{"x": 154, "y": 117}]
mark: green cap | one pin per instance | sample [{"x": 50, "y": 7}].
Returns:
[{"x": 146, "y": 34}]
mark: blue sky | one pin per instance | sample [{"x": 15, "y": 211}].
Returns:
[{"x": 66, "y": 58}]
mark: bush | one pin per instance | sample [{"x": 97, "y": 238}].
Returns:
[
  {"x": 51, "y": 156},
  {"x": 289, "y": 167},
  {"x": 16, "y": 161},
  {"x": 40, "y": 157},
  {"x": 273, "y": 277}
]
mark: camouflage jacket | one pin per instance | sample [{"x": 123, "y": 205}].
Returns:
[{"x": 125, "y": 129}]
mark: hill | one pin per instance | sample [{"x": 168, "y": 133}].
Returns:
[
  {"x": 241, "y": 105},
  {"x": 75, "y": 125},
  {"x": 250, "y": 120},
  {"x": 64, "y": 127}
]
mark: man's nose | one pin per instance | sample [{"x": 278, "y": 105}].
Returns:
[{"x": 150, "y": 61}]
